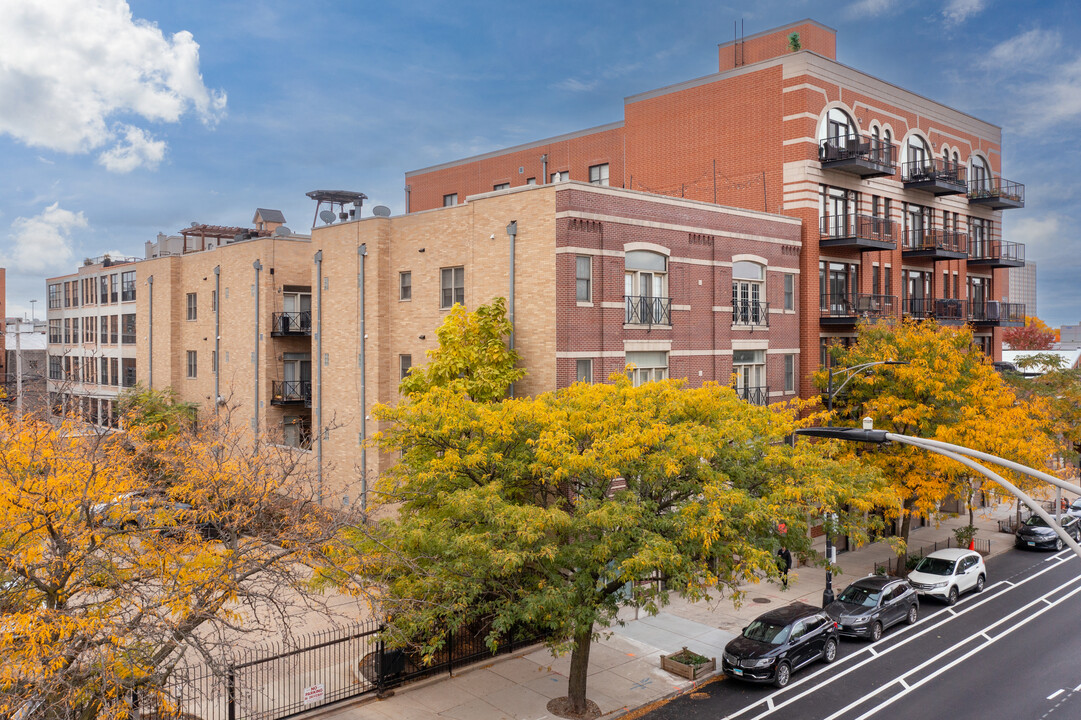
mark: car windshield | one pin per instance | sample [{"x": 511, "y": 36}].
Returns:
[
  {"x": 766, "y": 632},
  {"x": 1036, "y": 521},
  {"x": 1076, "y": 504},
  {"x": 935, "y": 566},
  {"x": 860, "y": 596}
]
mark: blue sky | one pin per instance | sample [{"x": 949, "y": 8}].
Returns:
[{"x": 121, "y": 120}]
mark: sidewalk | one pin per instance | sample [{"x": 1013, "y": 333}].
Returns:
[{"x": 624, "y": 666}]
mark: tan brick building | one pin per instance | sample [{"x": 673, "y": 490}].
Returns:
[{"x": 899, "y": 197}]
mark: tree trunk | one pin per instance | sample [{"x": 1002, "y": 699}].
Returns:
[
  {"x": 906, "y": 528},
  {"x": 576, "y": 686}
]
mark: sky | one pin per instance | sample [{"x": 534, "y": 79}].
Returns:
[{"x": 120, "y": 120}]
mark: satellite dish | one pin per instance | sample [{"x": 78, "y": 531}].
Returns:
[
  {"x": 281, "y": 231},
  {"x": 327, "y": 216},
  {"x": 195, "y": 224},
  {"x": 381, "y": 211}
]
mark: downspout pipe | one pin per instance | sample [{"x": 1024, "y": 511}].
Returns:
[
  {"x": 544, "y": 169},
  {"x": 255, "y": 422},
  {"x": 408, "y": 191},
  {"x": 362, "y": 251},
  {"x": 217, "y": 337},
  {"x": 512, "y": 233},
  {"x": 150, "y": 336},
  {"x": 319, "y": 377}
]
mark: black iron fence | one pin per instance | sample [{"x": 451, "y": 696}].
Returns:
[
  {"x": 291, "y": 323},
  {"x": 854, "y": 147},
  {"x": 997, "y": 250},
  {"x": 861, "y": 227},
  {"x": 890, "y": 566},
  {"x": 857, "y": 305},
  {"x": 291, "y": 391},
  {"x": 279, "y": 681},
  {"x": 933, "y": 169},
  {"x": 646, "y": 310},
  {"x": 753, "y": 395},
  {"x": 935, "y": 239},
  {"x": 996, "y": 188},
  {"x": 750, "y": 312}
]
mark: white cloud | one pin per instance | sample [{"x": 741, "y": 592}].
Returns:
[
  {"x": 957, "y": 11},
  {"x": 1022, "y": 52},
  {"x": 68, "y": 67},
  {"x": 575, "y": 85},
  {"x": 135, "y": 150},
  {"x": 43, "y": 243},
  {"x": 869, "y": 8}
]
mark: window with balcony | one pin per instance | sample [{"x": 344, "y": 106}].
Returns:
[
  {"x": 916, "y": 297},
  {"x": 598, "y": 174},
  {"x": 649, "y": 366},
  {"x": 749, "y": 293},
  {"x": 451, "y": 287},
  {"x": 583, "y": 278},
  {"x": 979, "y": 237},
  {"x": 979, "y": 174},
  {"x": 917, "y": 153},
  {"x": 749, "y": 367},
  {"x": 296, "y": 317},
  {"x": 645, "y": 287},
  {"x": 838, "y": 284}
]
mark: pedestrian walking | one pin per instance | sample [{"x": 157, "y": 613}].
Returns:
[{"x": 784, "y": 562}]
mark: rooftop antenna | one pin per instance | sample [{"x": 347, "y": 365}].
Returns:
[
  {"x": 737, "y": 43},
  {"x": 336, "y": 199}
]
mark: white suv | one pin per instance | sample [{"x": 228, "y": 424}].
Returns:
[{"x": 945, "y": 574}]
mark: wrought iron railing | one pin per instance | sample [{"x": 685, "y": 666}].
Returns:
[
  {"x": 935, "y": 239},
  {"x": 865, "y": 305},
  {"x": 291, "y": 391},
  {"x": 292, "y": 323},
  {"x": 950, "y": 310},
  {"x": 933, "y": 169},
  {"x": 996, "y": 250},
  {"x": 646, "y": 310},
  {"x": 863, "y": 227},
  {"x": 753, "y": 395},
  {"x": 996, "y": 188},
  {"x": 918, "y": 307},
  {"x": 750, "y": 312},
  {"x": 995, "y": 311},
  {"x": 853, "y": 147}
]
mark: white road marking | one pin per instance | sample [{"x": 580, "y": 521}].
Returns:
[
  {"x": 1055, "y": 694},
  {"x": 873, "y": 651},
  {"x": 984, "y": 634},
  {"x": 904, "y": 683},
  {"x": 769, "y": 701}
]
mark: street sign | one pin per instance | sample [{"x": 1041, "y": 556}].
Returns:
[{"x": 314, "y": 693}]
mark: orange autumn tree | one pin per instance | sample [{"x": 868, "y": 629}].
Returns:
[
  {"x": 948, "y": 391},
  {"x": 108, "y": 586},
  {"x": 1034, "y": 335}
]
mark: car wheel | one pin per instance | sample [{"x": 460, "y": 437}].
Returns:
[
  {"x": 783, "y": 676},
  {"x": 830, "y": 653},
  {"x": 913, "y": 615},
  {"x": 952, "y": 597},
  {"x": 1058, "y": 544},
  {"x": 980, "y": 583},
  {"x": 876, "y": 631}
]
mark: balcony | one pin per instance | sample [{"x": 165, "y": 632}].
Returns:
[
  {"x": 850, "y": 308},
  {"x": 753, "y": 395},
  {"x": 291, "y": 392},
  {"x": 750, "y": 313},
  {"x": 935, "y": 243},
  {"x": 287, "y": 324},
  {"x": 997, "y": 314},
  {"x": 936, "y": 176},
  {"x": 859, "y": 232},
  {"x": 996, "y": 193},
  {"x": 996, "y": 254},
  {"x": 860, "y": 156},
  {"x": 945, "y": 310},
  {"x": 646, "y": 310}
]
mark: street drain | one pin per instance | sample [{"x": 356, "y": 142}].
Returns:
[{"x": 761, "y": 601}]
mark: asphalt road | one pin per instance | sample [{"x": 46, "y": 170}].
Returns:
[{"x": 1012, "y": 651}]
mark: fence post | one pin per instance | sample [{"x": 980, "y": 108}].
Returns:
[
  {"x": 230, "y": 693},
  {"x": 450, "y": 652},
  {"x": 380, "y": 666}
]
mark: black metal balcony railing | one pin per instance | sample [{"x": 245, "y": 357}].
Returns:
[
  {"x": 858, "y": 231},
  {"x": 950, "y": 311},
  {"x": 753, "y": 395},
  {"x": 849, "y": 307},
  {"x": 935, "y": 175},
  {"x": 863, "y": 156},
  {"x": 997, "y": 193},
  {"x": 996, "y": 253},
  {"x": 291, "y": 323},
  {"x": 645, "y": 310},
  {"x": 918, "y": 307},
  {"x": 935, "y": 242},
  {"x": 291, "y": 392},
  {"x": 1002, "y": 314},
  {"x": 750, "y": 312}
]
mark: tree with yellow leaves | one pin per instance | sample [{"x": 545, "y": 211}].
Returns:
[
  {"x": 551, "y": 513},
  {"x": 110, "y": 582},
  {"x": 947, "y": 391}
]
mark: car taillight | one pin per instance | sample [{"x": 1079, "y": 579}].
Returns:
[{"x": 836, "y": 626}]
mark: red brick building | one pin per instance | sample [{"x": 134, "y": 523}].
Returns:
[{"x": 899, "y": 198}]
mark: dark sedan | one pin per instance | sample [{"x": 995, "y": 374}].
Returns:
[
  {"x": 1037, "y": 534},
  {"x": 872, "y": 604},
  {"x": 780, "y": 642}
]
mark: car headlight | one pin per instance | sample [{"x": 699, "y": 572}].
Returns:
[
  {"x": 759, "y": 663},
  {"x": 937, "y": 585}
]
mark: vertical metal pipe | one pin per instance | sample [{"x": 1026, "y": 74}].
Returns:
[
  {"x": 150, "y": 336},
  {"x": 217, "y": 336},
  {"x": 362, "y": 251},
  {"x": 255, "y": 425},
  {"x": 408, "y": 190},
  {"x": 319, "y": 376},
  {"x": 544, "y": 169},
  {"x": 19, "y": 368},
  {"x": 512, "y": 232}
]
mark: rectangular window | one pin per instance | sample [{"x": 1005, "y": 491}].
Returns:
[
  {"x": 105, "y": 371},
  {"x": 876, "y": 280},
  {"x": 193, "y": 363},
  {"x": 54, "y": 296},
  {"x": 501, "y": 186},
  {"x": 649, "y": 365},
  {"x": 583, "y": 277},
  {"x": 67, "y": 295},
  {"x": 90, "y": 329},
  {"x": 405, "y": 362},
  {"x": 789, "y": 292},
  {"x": 790, "y": 373},
  {"x": 887, "y": 286},
  {"x": 127, "y": 286},
  {"x": 531, "y": 181},
  {"x": 114, "y": 287},
  {"x": 104, "y": 285},
  {"x": 945, "y": 284},
  {"x": 128, "y": 367},
  {"x": 452, "y": 287},
  {"x": 113, "y": 329},
  {"x": 598, "y": 174},
  {"x": 75, "y": 331},
  {"x": 55, "y": 368},
  {"x": 128, "y": 331},
  {"x": 405, "y": 286},
  {"x": 584, "y": 370},
  {"x": 956, "y": 286},
  {"x": 55, "y": 334},
  {"x": 192, "y": 306},
  {"x": 561, "y": 176},
  {"x": 450, "y": 200},
  {"x": 67, "y": 331},
  {"x": 114, "y": 371}
]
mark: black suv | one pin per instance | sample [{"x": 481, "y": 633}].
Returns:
[
  {"x": 779, "y": 642},
  {"x": 871, "y": 604},
  {"x": 1035, "y": 533}
]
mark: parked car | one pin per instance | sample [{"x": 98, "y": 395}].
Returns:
[
  {"x": 946, "y": 574},
  {"x": 1075, "y": 508},
  {"x": 779, "y": 642},
  {"x": 871, "y": 604},
  {"x": 156, "y": 512},
  {"x": 1037, "y": 534}
]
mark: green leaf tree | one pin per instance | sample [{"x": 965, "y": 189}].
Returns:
[{"x": 551, "y": 513}]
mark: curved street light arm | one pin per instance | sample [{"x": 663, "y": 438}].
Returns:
[{"x": 856, "y": 370}]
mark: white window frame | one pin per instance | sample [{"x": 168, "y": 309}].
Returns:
[
  {"x": 583, "y": 370},
  {"x": 449, "y": 283},
  {"x": 193, "y": 364},
  {"x": 649, "y": 366},
  {"x": 789, "y": 291},
  {"x": 561, "y": 175},
  {"x": 193, "y": 306},
  {"x": 583, "y": 283},
  {"x": 598, "y": 174},
  {"x": 450, "y": 199},
  {"x": 501, "y": 186},
  {"x": 405, "y": 286},
  {"x": 790, "y": 373},
  {"x": 749, "y": 293}
]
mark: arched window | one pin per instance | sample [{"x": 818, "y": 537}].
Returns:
[
  {"x": 645, "y": 285},
  {"x": 917, "y": 150},
  {"x": 749, "y": 293},
  {"x": 979, "y": 175}
]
